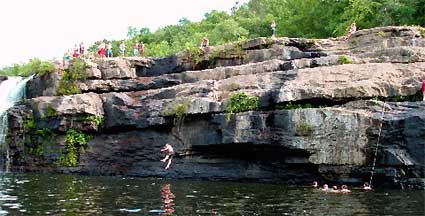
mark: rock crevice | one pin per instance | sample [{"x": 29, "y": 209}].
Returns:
[{"x": 318, "y": 116}]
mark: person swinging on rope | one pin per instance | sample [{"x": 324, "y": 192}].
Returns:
[{"x": 168, "y": 150}]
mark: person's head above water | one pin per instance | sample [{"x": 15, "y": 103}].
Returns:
[
  {"x": 315, "y": 184},
  {"x": 366, "y": 186}
]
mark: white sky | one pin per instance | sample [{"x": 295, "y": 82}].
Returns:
[{"x": 47, "y": 28}]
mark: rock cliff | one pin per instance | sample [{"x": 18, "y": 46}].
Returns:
[{"x": 319, "y": 115}]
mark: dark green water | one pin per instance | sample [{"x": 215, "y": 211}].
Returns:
[{"x": 39, "y": 194}]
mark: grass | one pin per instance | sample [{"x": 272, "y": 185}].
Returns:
[
  {"x": 345, "y": 60},
  {"x": 381, "y": 34}
]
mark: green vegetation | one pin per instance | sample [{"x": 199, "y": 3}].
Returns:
[
  {"x": 303, "y": 128},
  {"x": 178, "y": 110},
  {"x": 34, "y": 66},
  {"x": 51, "y": 112},
  {"x": 29, "y": 124},
  {"x": 194, "y": 54},
  {"x": 294, "y": 18},
  {"x": 76, "y": 141},
  {"x": 36, "y": 139},
  {"x": 98, "y": 120},
  {"x": 290, "y": 106},
  {"x": 298, "y": 105},
  {"x": 77, "y": 71},
  {"x": 345, "y": 60},
  {"x": 240, "y": 102},
  {"x": 381, "y": 34}
]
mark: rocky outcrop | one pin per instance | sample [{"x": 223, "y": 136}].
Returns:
[{"x": 319, "y": 114}]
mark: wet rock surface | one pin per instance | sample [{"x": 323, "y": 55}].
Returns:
[{"x": 338, "y": 88}]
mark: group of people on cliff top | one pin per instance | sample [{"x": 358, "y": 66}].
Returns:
[
  {"x": 77, "y": 51},
  {"x": 335, "y": 189},
  {"x": 104, "y": 49}
]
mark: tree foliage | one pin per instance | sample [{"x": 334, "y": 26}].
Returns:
[
  {"x": 34, "y": 66},
  {"x": 294, "y": 18}
]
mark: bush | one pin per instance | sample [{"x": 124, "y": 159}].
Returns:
[
  {"x": 178, "y": 110},
  {"x": 98, "y": 120},
  {"x": 194, "y": 54},
  {"x": 345, "y": 60},
  {"x": 240, "y": 102},
  {"x": 77, "y": 71},
  {"x": 76, "y": 141}
]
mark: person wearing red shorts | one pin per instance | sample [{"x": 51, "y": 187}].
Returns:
[{"x": 101, "y": 50}]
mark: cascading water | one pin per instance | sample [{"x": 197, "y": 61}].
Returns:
[{"x": 12, "y": 90}]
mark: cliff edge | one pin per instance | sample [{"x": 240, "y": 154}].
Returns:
[{"x": 321, "y": 104}]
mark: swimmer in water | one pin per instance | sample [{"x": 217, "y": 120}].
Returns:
[
  {"x": 366, "y": 186},
  {"x": 335, "y": 189},
  {"x": 325, "y": 188},
  {"x": 315, "y": 184},
  {"x": 344, "y": 189}
]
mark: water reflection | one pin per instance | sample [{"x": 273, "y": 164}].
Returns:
[
  {"x": 167, "y": 198},
  {"x": 38, "y": 194}
]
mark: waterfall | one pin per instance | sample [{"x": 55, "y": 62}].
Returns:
[{"x": 12, "y": 90}]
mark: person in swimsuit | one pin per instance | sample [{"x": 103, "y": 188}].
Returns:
[
  {"x": 325, "y": 188},
  {"x": 169, "y": 153},
  {"x": 205, "y": 43},
  {"x": 76, "y": 52},
  {"x": 366, "y": 186},
  {"x": 82, "y": 49},
  {"x": 353, "y": 29},
  {"x": 136, "y": 49},
  {"x": 344, "y": 189},
  {"x": 315, "y": 184},
  {"x": 142, "y": 49},
  {"x": 109, "y": 50},
  {"x": 273, "y": 27},
  {"x": 101, "y": 49},
  {"x": 122, "y": 48}
]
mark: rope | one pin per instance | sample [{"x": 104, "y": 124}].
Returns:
[{"x": 377, "y": 143}]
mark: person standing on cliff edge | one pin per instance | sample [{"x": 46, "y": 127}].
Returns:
[
  {"x": 351, "y": 31},
  {"x": 273, "y": 26},
  {"x": 169, "y": 153},
  {"x": 423, "y": 89}
]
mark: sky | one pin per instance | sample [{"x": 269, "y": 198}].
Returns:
[{"x": 47, "y": 28}]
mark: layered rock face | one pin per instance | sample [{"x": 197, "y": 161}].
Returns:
[{"x": 323, "y": 107}]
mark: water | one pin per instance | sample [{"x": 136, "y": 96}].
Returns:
[
  {"x": 42, "y": 194},
  {"x": 11, "y": 91}
]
